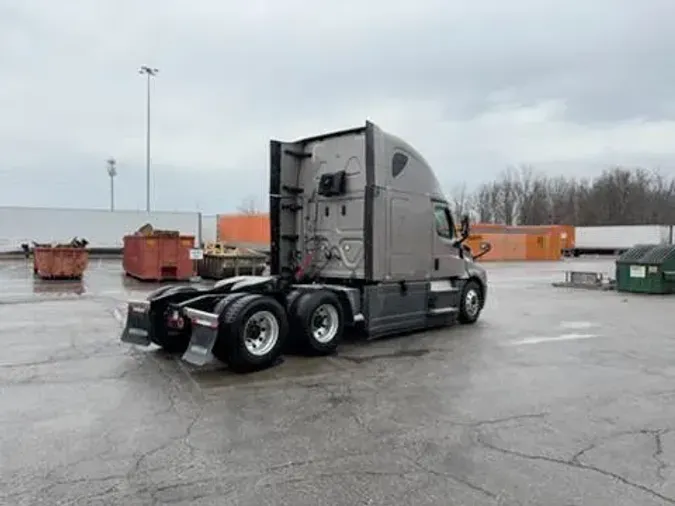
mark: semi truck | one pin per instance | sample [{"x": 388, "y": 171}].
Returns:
[{"x": 362, "y": 238}]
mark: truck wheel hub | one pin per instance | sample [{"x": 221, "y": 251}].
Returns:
[
  {"x": 261, "y": 333},
  {"x": 325, "y": 323},
  {"x": 472, "y": 302}
]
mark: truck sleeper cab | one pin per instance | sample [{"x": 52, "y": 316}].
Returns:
[{"x": 361, "y": 236}]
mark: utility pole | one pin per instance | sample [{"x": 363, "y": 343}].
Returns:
[
  {"x": 112, "y": 172},
  {"x": 149, "y": 72}
]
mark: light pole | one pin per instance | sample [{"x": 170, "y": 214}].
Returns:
[
  {"x": 149, "y": 72},
  {"x": 112, "y": 172}
]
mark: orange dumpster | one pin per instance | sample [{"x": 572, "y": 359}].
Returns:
[
  {"x": 60, "y": 262},
  {"x": 158, "y": 257}
]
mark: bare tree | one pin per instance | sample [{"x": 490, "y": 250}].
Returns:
[
  {"x": 617, "y": 196},
  {"x": 459, "y": 200},
  {"x": 503, "y": 196},
  {"x": 482, "y": 204},
  {"x": 532, "y": 199}
]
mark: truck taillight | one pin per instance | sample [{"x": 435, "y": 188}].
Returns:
[{"x": 175, "y": 320}]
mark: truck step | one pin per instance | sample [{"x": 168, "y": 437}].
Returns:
[
  {"x": 290, "y": 237},
  {"x": 295, "y": 190},
  {"x": 436, "y": 311},
  {"x": 292, "y": 207}
]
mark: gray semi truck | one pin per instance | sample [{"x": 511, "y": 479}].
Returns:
[{"x": 361, "y": 237}]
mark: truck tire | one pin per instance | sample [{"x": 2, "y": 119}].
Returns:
[
  {"x": 471, "y": 303},
  {"x": 171, "y": 340},
  {"x": 318, "y": 322},
  {"x": 253, "y": 332},
  {"x": 227, "y": 301}
]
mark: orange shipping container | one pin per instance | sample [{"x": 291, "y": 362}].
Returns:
[
  {"x": 504, "y": 246},
  {"x": 545, "y": 246},
  {"x": 567, "y": 236},
  {"x": 544, "y": 242},
  {"x": 517, "y": 245},
  {"x": 244, "y": 228}
]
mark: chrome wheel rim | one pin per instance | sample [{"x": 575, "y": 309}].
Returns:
[
  {"x": 325, "y": 323},
  {"x": 261, "y": 333},
  {"x": 472, "y": 302}
]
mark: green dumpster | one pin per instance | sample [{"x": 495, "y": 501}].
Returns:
[
  {"x": 624, "y": 262},
  {"x": 647, "y": 269}
]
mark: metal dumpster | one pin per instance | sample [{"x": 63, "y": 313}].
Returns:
[
  {"x": 652, "y": 271},
  {"x": 158, "y": 257},
  {"x": 60, "y": 262},
  {"x": 223, "y": 261},
  {"x": 624, "y": 263}
]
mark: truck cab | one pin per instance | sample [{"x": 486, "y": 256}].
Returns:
[{"x": 362, "y": 208}]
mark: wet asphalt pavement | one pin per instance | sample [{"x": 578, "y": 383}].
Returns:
[{"x": 556, "y": 397}]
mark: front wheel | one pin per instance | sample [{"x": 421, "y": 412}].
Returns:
[
  {"x": 471, "y": 303},
  {"x": 253, "y": 333}
]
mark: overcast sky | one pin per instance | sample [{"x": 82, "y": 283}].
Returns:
[{"x": 475, "y": 85}]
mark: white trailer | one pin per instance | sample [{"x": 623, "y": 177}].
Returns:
[
  {"x": 103, "y": 229},
  {"x": 616, "y": 239}
]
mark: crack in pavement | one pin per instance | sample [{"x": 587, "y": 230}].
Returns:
[
  {"x": 657, "y": 434},
  {"x": 657, "y": 456},
  {"x": 174, "y": 397},
  {"x": 417, "y": 462},
  {"x": 575, "y": 463},
  {"x": 445, "y": 474},
  {"x": 506, "y": 419}
]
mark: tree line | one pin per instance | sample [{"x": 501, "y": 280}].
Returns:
[{"x": 524, "y": 196}]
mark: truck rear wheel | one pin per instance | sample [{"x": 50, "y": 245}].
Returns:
[
  {"x": 227, "y": 301},
  {"x": 318, "y": 320},
  {"x": 171, "y": 340},
  {"x": 471, "y": 303},
  {"x": 253, "y": 332}
]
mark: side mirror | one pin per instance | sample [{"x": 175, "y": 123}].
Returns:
[{"x": 465, "y": 226}]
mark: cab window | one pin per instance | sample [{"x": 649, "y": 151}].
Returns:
[
  {"x": 444, "y": 226},
  {"x": 398, "y": 163}
]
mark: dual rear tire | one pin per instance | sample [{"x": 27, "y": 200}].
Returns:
[
  {"x": 318, "y": 322},
  {"x": 255, "y": 329},
  {"x": 252, "y": 332}
]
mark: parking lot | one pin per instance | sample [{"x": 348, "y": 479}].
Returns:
[{"x": 555, "y": 397}]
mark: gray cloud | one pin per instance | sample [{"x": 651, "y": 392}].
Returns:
[{"x": 467, "y": 83}]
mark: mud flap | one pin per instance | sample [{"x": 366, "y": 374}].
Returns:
[
  {"x": 138, "y": 327},
  {"x": 203, "y": 338}
]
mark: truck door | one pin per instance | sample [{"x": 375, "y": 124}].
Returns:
[{"x": 446, "y": 261}]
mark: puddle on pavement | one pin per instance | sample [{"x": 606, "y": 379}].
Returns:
[
  {"x": 291, "y": 368},
  {"x": 384, "y": 356},
  {"x": 288, "y": 369},
  {"x": 44, "y": 287}
]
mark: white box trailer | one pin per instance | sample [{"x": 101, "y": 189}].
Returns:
[
  {"x": 616, "y": 239},
  {"x": 103, "y": 229}
]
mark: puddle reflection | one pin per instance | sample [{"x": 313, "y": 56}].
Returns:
[{"x": 75, "y": 287}]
